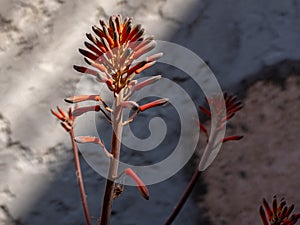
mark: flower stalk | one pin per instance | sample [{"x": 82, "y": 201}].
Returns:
[
  {"x": 67, "y": 122},
  {"x": 223, "y": 114},
  {"x": 117, "y": 126},
  {"x": 113, "y": 55}
]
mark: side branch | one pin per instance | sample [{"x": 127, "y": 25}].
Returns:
[{"x": 80, "y": 180}]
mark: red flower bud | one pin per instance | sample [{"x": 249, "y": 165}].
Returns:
[
  {"x": 87, "y": 139},
  {"x": 154, "y": 57},
  {"x": 58, "y": 115},
  {"x": 80, "y": 111},
  {"x": 231, "y": 138},
  {"x": 153, "y": 104},
  {"x": 66, "y": 126},
  {"x": 140, "y": 184},
  {"x": 81, "y": 98},
  {"x": 83, "y": 69},
  {"x": 61, "y": 112},
  {"x": 146, "y": 66},
  {"x": 96, "y": 65},
  {"x": 88, "y": 54},
  {"x": 147, "y": 82}
]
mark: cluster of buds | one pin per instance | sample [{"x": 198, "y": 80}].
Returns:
[
  {"x": 111, "y": 52},
  {"x": 223, "y": 114},
  {"x": 278, "y": 214},
  {"x": 67, "y": 119},
  {"x": 114, "y": 49}
]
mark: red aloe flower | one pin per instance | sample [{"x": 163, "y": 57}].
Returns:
[
  {"x": 232, "y": 105},
  {"x": 223, "y": 114},
  {"x": 112, "y": 51},
  {"x": 278, "y": 214},
  {"x": 142, "y": 188},
  {"x": 153, "y": 104},
  {"x": 81, "y": 98},
  {"x": 82, "y": 110},
  {"x": 66, "y": 118},
  {"x": 95, "y": 140}
]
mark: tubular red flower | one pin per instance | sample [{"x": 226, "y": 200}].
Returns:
[
  {"x": 263, "y": 216},
  {"x": 82, "y": 110},
  {"x": 58, "y": 115},
  {"x": 88, "y": 54},
  {"x": 96, "y": 65},
  {"x": 81, "y": 98},
  {"x": 231, "y": 138},
  {"x": 83, "y": 69},
  {"x": 88, "y": 139},
  {"x": 278, "y": 215},
  {"x": 147, "y": 82},
  {"x": 154, "y": 57},
  {"x": 146, "y": 66},
  {"x": 268, "y": 209},
  {"x": 206, "y": 111},
  {"x": 223, "y": 114},
  {"x": 94, "y": 49},
  {"x": 143, "y": 50},
  {"x": 204, "y": 130},
  {"x": 61, "y": 112},
  {"x": 136, "y": 67},
  {"x": 153, "y": 104},
  {"x": 142, "y": 188}
]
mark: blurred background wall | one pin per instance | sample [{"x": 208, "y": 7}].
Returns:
[{"x": 241, "y": 41}]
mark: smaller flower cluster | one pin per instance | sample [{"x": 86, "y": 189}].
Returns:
[
  {"x": 223, "y": 114},
  {"x": 67, "y": 119},
  {"x": 278, "y": 214}
]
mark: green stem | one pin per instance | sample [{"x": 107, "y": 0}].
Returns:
[{"x": 114, "y": 163}]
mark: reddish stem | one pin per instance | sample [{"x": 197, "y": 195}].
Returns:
[
  {"x": 184, "y": 197},
  {"x": 79, "y": 179},
  {"x": 117, "y": 130}
]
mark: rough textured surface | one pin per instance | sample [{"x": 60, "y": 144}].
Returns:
[
  {"x": 264, "y": 163},
  {"x": 38, "y": 45}
]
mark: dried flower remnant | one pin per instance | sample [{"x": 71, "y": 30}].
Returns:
[{"x": 278, "y": 214}]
